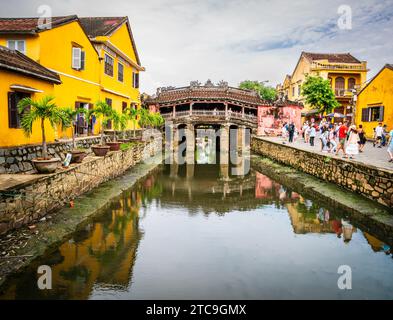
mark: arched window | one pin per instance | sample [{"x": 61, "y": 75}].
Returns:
[
  {"x": 351, "y": 83},
  {"x": 340, "y": 86}
]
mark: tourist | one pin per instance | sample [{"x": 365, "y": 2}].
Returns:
[
  {"x": 347, "y": 231},
  {"x": 307, "y": 134},
  {"x": 324, "y": 138},
  {"x": 390, "y": 146},
  {"x": 284, "y": 131},
  {"x": 291, "y": 131},
  {"x": 304, "y": 128},
  {"x": 342, "y": 136},
  {"x": 384, "y": 135},
  {"x": 352, "y": 147},
  {"x": 313, "y": 133},
  {"x": 362, "y": 138},
  {"x": 332, "y": 140},
  {"x": 378, "y": 132}
]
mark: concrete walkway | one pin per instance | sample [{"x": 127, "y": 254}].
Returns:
[{"x": 377, "y": 157}]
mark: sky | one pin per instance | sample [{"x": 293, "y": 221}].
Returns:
[{"x": 180, "y": 41}]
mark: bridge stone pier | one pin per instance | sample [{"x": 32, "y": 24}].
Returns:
[{"x": 227, "y": 111}]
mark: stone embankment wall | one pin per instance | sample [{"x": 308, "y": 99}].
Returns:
[
  {"x": 18, "y": 159},
  {"x": 25, "y": 204},
  {"x": 371, "y": 182}
]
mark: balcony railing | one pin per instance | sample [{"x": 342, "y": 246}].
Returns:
[
  {"x": 339, "y": 66},
  {"x": 211, "y": 113},
  {"x": 343, "y": 93}
]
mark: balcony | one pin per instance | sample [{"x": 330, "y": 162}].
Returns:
[
  {"x": 343, "y": 93},
  {"x": 339, "y": 66}
]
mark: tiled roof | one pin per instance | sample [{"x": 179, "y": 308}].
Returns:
[
  {"x": 332, "y": 57},
  {"x": 202, "y": 93},
  {"x": 101, "y": 26},
  {"x": 17, "y": 62},
  {"x": 30, "y": 25},
  {"x": 104, "y": 26}
]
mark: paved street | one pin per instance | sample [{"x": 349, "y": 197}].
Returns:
[{"x": 371, "y": 156}]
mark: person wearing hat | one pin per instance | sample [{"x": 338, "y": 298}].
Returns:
[{"x": 352, "y": 147}]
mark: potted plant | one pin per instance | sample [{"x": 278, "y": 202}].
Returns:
[
  {"x": 77, "y": 154},
  {"x": 117, "y": 119},
  {"x": 42, "y": 110},
  {"x": 104, "y": 111}
]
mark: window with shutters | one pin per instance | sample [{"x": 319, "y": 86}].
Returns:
[
  {"x": 120, "y": 72},
  {"x": 76, "y": 58},
  {"x": 365, "y": 114},
  {"x": 108, "y": 65},
  {"x": 351, "y": 83},
  {"x": 135, "y": 80},
  {"x": 14, "y": 118},
  {"x": 108, "y": 101},
  {"x": 123, "y": 106},
  {"x": 376, "y": 113}
]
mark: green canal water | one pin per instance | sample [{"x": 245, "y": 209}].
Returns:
[{"x": 187, "y": 232}]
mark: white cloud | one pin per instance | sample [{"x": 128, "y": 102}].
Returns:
[{"x": 183, "y": 40}]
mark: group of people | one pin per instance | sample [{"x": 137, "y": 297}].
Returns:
[{"x": 342, "y": 136}]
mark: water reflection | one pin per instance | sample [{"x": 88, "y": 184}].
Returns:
[{"x": 149, "y": 238}]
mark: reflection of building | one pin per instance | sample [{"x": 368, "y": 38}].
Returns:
[
  {"x": 314, "y": 220},
  {"x": 102, "y": 255}
]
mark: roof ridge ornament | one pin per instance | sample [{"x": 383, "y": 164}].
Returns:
[{"x": 209, "y": 84}]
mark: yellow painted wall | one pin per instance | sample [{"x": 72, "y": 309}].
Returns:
[
  {"x": 32, "y": 44},
  {"x": 12, "y": 136},
  {"x": 53, "y": 49},
  {"x": 378, "y": 92},
  {"x": 77, "y": 85}
]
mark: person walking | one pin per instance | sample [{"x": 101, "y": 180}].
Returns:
[
  {"x": 342, "y": 137},
  {"x": 324, "y": 138},
  {"x": 313, "y": 133},
  {"x": 291, "y": 131},
  {"x": 352, "y": 147},
  {"x": 332, "y": 140},
  {"x": 390, "y": 146},
  {"x": 378, "y": 132},
  {"x": 362, "y": 138}
]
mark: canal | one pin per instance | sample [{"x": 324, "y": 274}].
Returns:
[{"x": 185, "y": 232}]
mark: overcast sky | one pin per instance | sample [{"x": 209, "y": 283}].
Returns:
[{"x": 183, "y": 40}]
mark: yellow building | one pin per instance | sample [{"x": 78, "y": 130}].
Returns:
[
  {"x": 21, "y": 77},
  {"x": 96, "y": 59},
  {"x": 375, "y": 102},
  {"x": 345, "y": 72}
]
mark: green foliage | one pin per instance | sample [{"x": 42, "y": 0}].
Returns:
[
  {"x": 265, "y": 92},
  {"x": 104, "y": 111},
  {"x": 126, "y": 146},
  {"x": 44, "y": 109},
  {"x": 319, "y": 94}
]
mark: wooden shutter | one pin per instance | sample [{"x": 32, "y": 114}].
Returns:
[
  {"x": 83, "y": 57},
  {"x": 381, "y": 111},
  {"x": 124, "y": 106},
  {"x": 76, "y": 58},
  {"x": 12, "y": 111},
  {"x": 137, "y": 80},
  {"x": 365, "y": 114}
]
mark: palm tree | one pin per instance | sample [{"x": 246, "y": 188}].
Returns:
[
  {"x": 104, "y": 111},
  {"x": 133, "y": 113},
  {"x": 44, "y": 109},
  {"x": 119, "y": 123},
  {"x": 72, "y": 114}
]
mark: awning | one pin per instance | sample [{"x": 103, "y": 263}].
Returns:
[
  {"x": 310, "y": 112},
  {"x": 19, "y": 87},
  {"x": 336, "y": 115}
]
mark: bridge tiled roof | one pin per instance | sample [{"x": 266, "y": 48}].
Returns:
[{"x": 220, "y": 92}]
